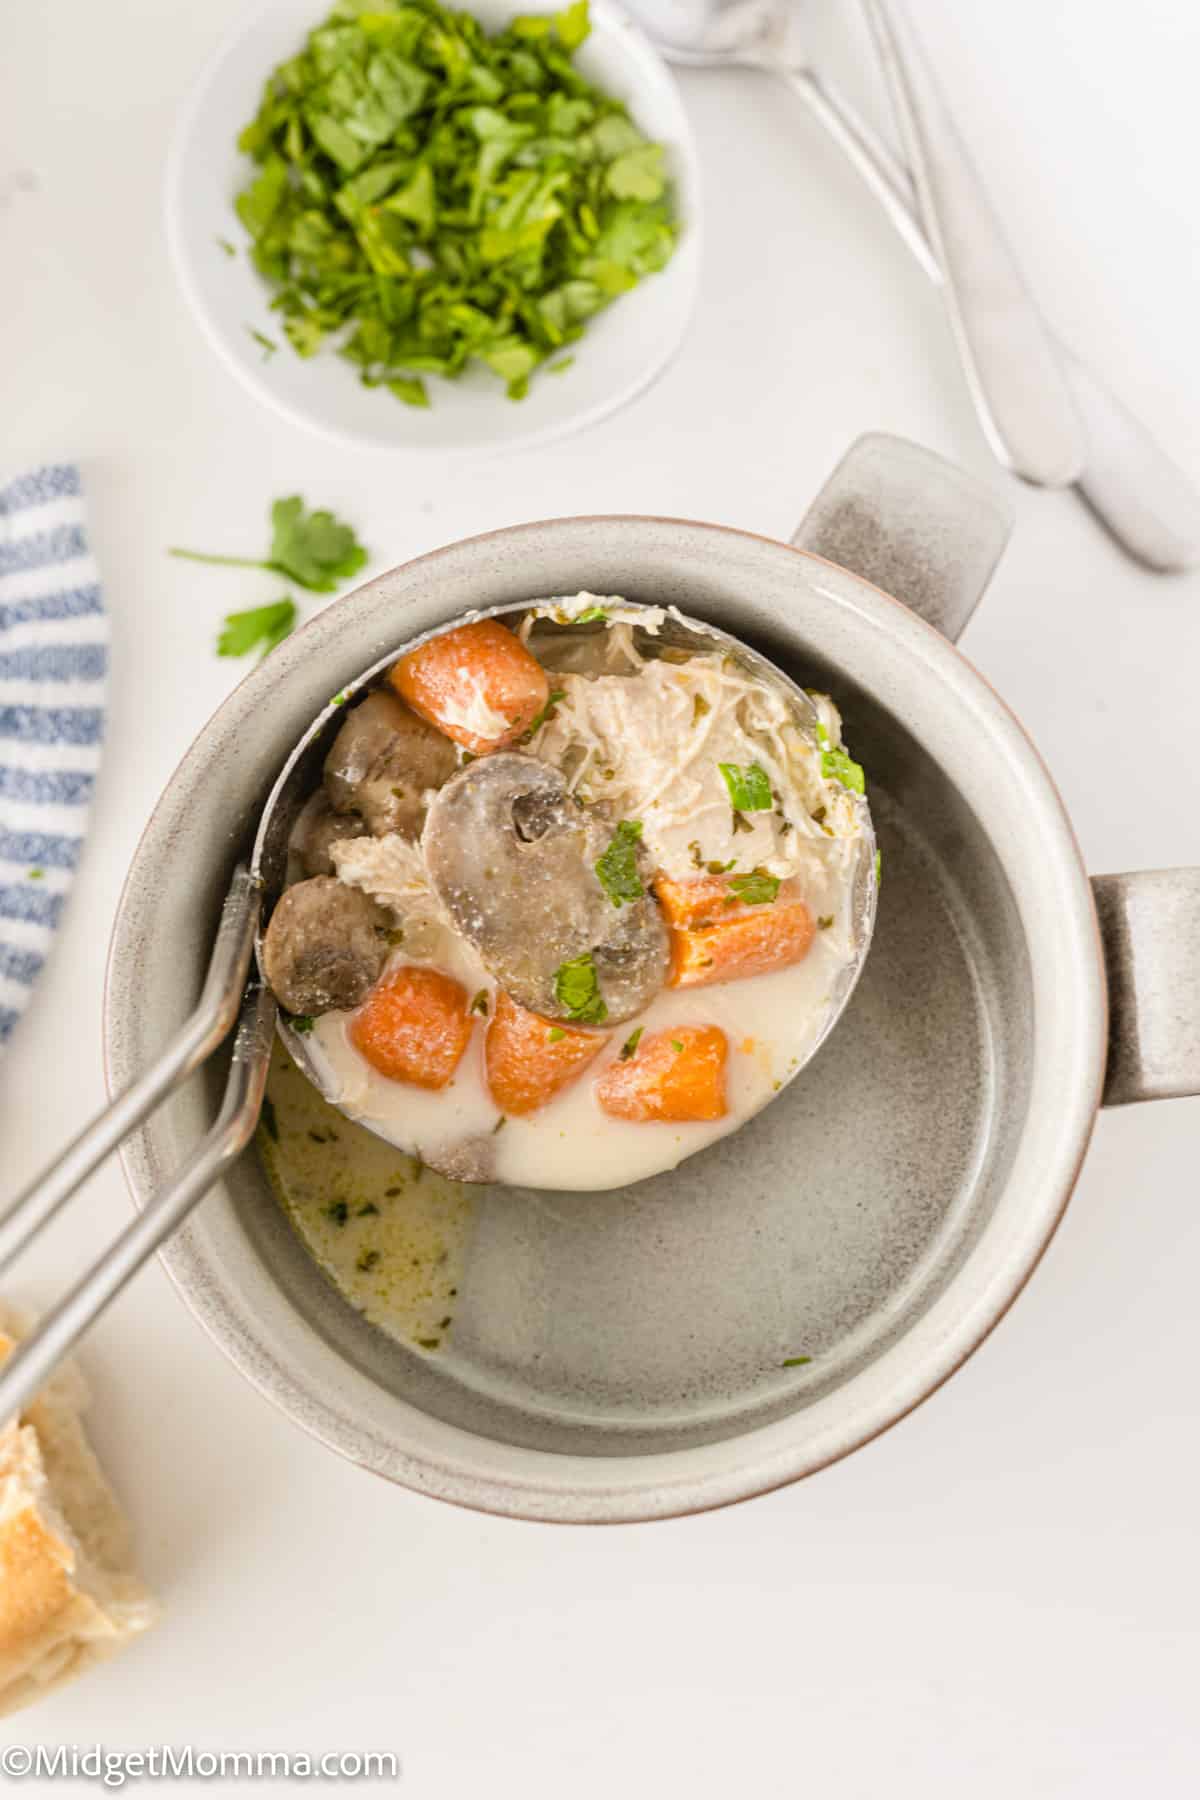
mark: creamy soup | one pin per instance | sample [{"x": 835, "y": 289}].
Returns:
[{"x": 571, "y": 903}]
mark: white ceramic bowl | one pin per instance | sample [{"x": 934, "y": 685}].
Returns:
[
  {"x": 622, "y": 351},
  {"x": 637, "y": 1354}
]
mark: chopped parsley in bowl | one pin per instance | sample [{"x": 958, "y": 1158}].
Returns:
[{"x": 438, "y": 207}]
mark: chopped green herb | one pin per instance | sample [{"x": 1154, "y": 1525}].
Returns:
[
  {"x": 501, "y": 1122},
  {"x": 825, "y": 922},
  {"x": 554, "y": 1034},
  {"x": 741, "y": 824},
  {"x": 367, "y": 1261},
  {"x": 226, "y": 246},
  {"x": 539, "y": 719},
  {"x": 428, "y": 1343},
  {"x": 697, "y": 854},
  {"x": 369, "y": 1211},
  {"x": 261, "y": 625},
  {"x": 577, "y": 990},
  {"x": 394, "y": 938},
  {"x": 822, "y": 736},
  {"x": 677, "y": 1046},
  {"x": 338, "y": 1211},
  {"x": 267, "y": 345},
  {"x": 314, "y": 549},
  {"x": 617, "y": 869},
  {"x": 37, "y": 874},
  {"x": 749, "y": 787},
  {"x": 631, "y": 1043},
  {"x": 796, "y": 1362},
  {"x": 480, "y": 1003},
  {"x": 591, "y": 615},
  {"x": 837, "y": 766},
  {"x": 560, "y": 367},
  {"x": 269, "y": 1121},
  {"x": 721, "y": 868},
  {"x": 409, "y": 388},
  {"x": 878, "y": 867},
  {"x": 758, "y": 889},
  {"x": 339, "y": 699},
  {"x": 429, "y": 197},
  {"x": 301, "y": 1022}
]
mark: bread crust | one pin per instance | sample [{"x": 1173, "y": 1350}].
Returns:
[{"x": 68, "y": 1595}]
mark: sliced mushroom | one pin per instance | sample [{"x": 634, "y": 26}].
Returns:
[
  {"x": 512, "y": 855},
  {"x": 325, "y": 946},
  {"x": 633, "y": 962},
  {"x": 474, "y": 1159},
  {"x": 319, "y": 826},
  {"x": 383, "y": 762}
]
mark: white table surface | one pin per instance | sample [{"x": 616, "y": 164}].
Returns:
[{"x": 999, "y": 1596}]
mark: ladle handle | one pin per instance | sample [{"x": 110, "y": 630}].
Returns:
[
  {"x": 200, "y": 1034},
  {"x": 912, "y": 524},
  {"x": 35, "y": 1360}
]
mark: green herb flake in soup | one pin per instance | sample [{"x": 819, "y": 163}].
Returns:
[
  {"x": 617, "y": 869},
  {"x": 429, "y": 196},
  {"x": 390, "y": 1236},
  {"x": 837, "y": 766},
  {"x": 577, "y": 990},
  {"x": 749, "y": 788},
  {"x": 758, "y": 889}
]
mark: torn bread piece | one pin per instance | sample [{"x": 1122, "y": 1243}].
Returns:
[{"x": 68, "y": 1594}]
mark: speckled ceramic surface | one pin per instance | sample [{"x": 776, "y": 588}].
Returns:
[{"x": 621, "y": 1356}]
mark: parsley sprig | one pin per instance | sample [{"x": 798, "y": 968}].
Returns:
[{"x": 314, "y": 549}]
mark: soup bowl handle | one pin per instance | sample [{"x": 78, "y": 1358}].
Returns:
[
  {"x": 912, "y": 524},
  {"x": 931, "y": 535},
  {"x": 1150, "y": 926}
]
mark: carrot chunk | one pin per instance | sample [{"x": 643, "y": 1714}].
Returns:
[
  {"x": 753, "y": 943},
  {"x": 530, "y": 1059},
  {"x": 692, "y": 903},
  {"x": 706, "y": 900},
  {"x": 414, "y": 1026},
  {"x": 675, "y": 1076},
  {"x": 478, "y": 684}
]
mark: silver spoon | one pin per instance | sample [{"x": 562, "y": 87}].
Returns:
[
  {"x": 1130, "y": 484},
  {"x": 1012, "y": 365}
]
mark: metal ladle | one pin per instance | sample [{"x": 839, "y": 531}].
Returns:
[
  {"x": 1141, "y": 497},
  {"x": 226, "y": 997}
]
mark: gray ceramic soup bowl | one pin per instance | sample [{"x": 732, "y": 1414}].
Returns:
[{"x": 622, "y": 1356}]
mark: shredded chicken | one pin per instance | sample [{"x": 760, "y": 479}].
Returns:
[{"x": 651, "y": 741}]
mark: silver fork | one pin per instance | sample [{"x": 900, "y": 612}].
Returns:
[{"x": 1128, "y": 482}]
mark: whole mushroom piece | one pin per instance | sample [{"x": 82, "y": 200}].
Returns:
[
  {"x": 383, "y": 762},
  {"x": 512, "y": 856},
  {"x": 317, "y": 828},
  {"x": 325, "y": 946}
]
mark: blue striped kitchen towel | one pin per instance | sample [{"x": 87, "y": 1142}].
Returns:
[{"x": 53, "y": 677}]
